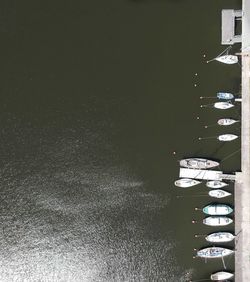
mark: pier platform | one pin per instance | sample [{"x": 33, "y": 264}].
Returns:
[
  {"x": 205, "y": 174},
  {"x": 228, "y": 26}
]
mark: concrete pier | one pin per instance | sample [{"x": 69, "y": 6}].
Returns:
[
  {"x": 242, "y": 184},
  {"x": 228, "y": 18},
  {"x": 203, "y": 174}
]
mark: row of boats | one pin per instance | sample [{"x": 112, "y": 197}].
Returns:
[{"x": 217, "y": 212}]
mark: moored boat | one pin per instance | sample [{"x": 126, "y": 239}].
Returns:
[
  {"x": 217, "y": 209},
  {"x": 223, "y": 105},
  {"x": 225, "y": 95},
  {"x": 220, "y": 237},
  {"x": 186, "y": 182},
  {"x": 217, "y": 220},
  {"x": 226, "y": 121},
  {"x": 227, "y": 59},
  {"x": 214, "y": 252},
  {"x": 215, "y": 184},
  {"x": 221, "y": 275},
  {"x": 227, "y": 137},
  {"x": 218, "y": 193},
  {"x": 198, "y": 163}
]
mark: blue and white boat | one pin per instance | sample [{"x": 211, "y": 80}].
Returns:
[
  {"x": 225, "y": 96},
  {"x": 214, "y": 252}
]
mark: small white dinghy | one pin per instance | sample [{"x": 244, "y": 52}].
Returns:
[
  {"x": 217, "y": 220},
  {"x": 223, "y": 105},
  {"x": 218, "y": 193},
  {"x": 227, "y": 137},
  {"x": 215, "y": 184},
  {"x": 221, "y": 276},
  {"x": 226, "y": 121},
  {"x": 220, "y": 237},
  {"x": 214, "y": 252},
  {"x": 186, "y": 182}
]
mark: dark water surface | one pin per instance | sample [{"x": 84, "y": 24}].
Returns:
[{"x": 95, "y": 97}]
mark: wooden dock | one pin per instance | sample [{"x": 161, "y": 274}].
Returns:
[{"x": 228, "y": 24}]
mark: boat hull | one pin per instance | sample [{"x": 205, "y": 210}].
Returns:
[
  {"x": 226, "y": 121},
  {"x": 220, "y": 237},
  {"x": 221, "y": 275},
  {"x": 214, "y": 252},
  {"x": 198, "y": 163},
  {"x": 217, "y": 209},
  {"x": 218, "y": 193},
  {"x": 186, "y": 182},
  {"x": 223, "y": 105},
  {"x": 217, "y": 220},
  {"x": 227, "y": 137},
  {"x": 215, "y": 184},
  {"x": 225, "y": 95},
  {"x": 227, "y": 59}
]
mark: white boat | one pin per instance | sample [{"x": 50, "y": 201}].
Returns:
[
  {"x": 223, "y": 105},
  {"x": 217, "y": 209},
  {"x": 198, "y": 163},
  {"x": 215, "y": 184},
  {"x": 186, "y": 182},
  {"x": 227, "y": 137},
  {"x": 227, "y": 121},
  {"x": 225, "y": 95},
  {"x": 217, "y": 220},
  {"x": 221, "y": 276},
  {"x": 227, "y": 59},
  {"x": 214, "y": 252},
  {"x": 218, "y": 193},
  {"x": 220, "y": 237}
]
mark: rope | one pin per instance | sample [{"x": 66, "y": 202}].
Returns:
[{"x": 229, "y": 156}]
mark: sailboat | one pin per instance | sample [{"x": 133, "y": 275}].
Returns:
[
  {"x": 226, "y": 121},
  {"x": 218, "y": 193},
  {"x": 225, "y": 57},
  {"x": 223, "y": 105},
  {"x": 217, "y": 209},
  {"x": 217, "y": 220},
  {"x": 221, "y": 276},
  {"x": 214, "y": 252},
  {"x": 186, "y": 182},
  {"x": 227, "y": 137},
  {"x": 220, "y": 237},
  {"x": 225, "y": 95}
]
